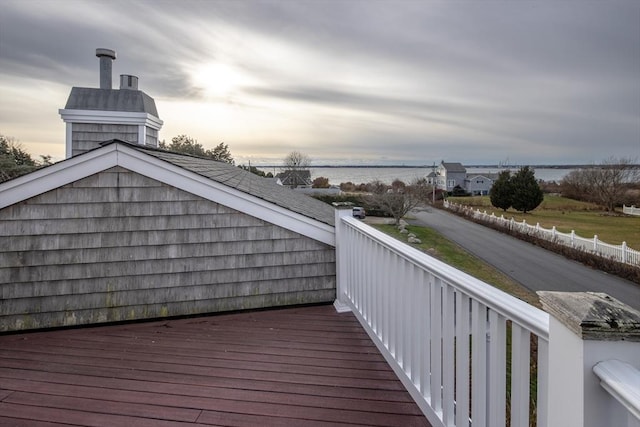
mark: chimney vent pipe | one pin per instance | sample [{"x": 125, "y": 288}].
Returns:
[
  {"x": 107, "y": 56},
  {"x": 128, "y": 82}
]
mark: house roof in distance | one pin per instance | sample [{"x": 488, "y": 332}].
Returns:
[
  {"x": 295, "y": 177},
  {"x": 454, "y": 167}
]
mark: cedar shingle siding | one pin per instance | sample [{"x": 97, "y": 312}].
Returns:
[
  {"x": 87, "y": 136},
  {"x": 118, "y": 246}
]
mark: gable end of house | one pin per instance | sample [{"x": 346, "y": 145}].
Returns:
[{"x": 116, "y": 234}]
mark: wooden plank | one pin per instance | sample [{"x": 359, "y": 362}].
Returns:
[
  {"x": 247, "y": 420},
  {"x": 79, "y": 417},
  {"x": 104, "y": 406},
  {"x": 16, "y": 422}
]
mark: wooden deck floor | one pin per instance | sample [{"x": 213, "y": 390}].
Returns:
[{"x": 306, "y": 366}]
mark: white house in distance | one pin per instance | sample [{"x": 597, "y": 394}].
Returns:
[{"x": 447, "y": 176}]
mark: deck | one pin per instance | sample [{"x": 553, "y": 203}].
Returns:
[{"x": 307, "y": 366}]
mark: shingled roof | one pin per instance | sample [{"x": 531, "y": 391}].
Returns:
[
  {"x": 454, "y": 167},
  {"x": 246, "y": 182},
  {"x": 84, "y": 98}
]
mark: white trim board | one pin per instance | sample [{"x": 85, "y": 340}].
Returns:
[{"x": 111, "y": 117}]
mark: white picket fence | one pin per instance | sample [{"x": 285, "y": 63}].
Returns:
[
  {"x": 630, "y": 210},
  {"x": 621, "y": 253}
]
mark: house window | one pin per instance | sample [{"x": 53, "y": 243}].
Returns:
[{"x": 452, "y": 183}]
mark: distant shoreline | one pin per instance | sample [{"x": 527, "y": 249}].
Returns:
[{"x": 431, "y": 166}]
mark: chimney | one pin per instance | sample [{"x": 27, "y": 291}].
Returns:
[
  {"x": 128, "y": 82},
  {"x": 106, "y": 61}
]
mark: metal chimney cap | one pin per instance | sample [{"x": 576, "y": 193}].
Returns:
[{"x": 106, "y": 52}]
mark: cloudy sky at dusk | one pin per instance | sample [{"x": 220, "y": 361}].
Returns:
[{"x": 346, "y": 82}]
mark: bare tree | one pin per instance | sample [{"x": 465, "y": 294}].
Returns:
[
  {"x": 296, "y": 160},
  {"x": 398, "y": 199},
  {"x": 604, "y": 184},
  {"x": 610, "y": 179}
]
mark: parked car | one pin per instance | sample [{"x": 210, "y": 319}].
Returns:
[{"x": 359, "y": 212}]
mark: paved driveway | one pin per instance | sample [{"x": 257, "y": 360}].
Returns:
[{"x": 535, "y": 268}]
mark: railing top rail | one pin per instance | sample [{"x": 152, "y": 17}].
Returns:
[
  {"x": 622, "y": 381},
  {"x": 520, "y": 312}
]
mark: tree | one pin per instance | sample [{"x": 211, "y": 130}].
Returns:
[
  {"x": 14, "y": 160},
  {"x": 609, "y": 181},
  {"x": 295, "y": 168},
  {"x": 187, "y": 145},
  {"x": 398, "y": 199},
  {"x": 604, "y": 184},
  {"x": 221, "y": 153},
  {"x": 502, "y": 191},
  {"x": 184, "y": 144},
  {"x": 575, "y": 186},
  {"x": 320, "y": 182},
  {"x": 296, "y": 160},
  {"x": 527, "y": 194}
]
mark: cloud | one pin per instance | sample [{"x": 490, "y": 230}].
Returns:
[{"x": 547, "y": 81}]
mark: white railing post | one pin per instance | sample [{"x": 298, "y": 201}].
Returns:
[
  {"x": 623, "y": 248},
  {"x": 595, "y": 243},
  {"x": 586, "y": 328},
  {"x": 340, "y": 303}
]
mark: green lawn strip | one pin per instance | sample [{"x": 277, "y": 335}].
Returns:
[
  {"x": 566, "y": 215},
  {"x": 436, "y": 245}
]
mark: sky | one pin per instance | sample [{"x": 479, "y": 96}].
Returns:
[{"x": 344, "y": 82}]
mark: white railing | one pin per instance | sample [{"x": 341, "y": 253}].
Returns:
[
  {"x": 447, "y": 335},
  {"x": 622, "y": 382},
  {"x": 621, "y": 253},
  {"x": 630, "y": 210}
]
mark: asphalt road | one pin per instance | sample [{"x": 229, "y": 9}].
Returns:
[{"x": 535, "y": 268}]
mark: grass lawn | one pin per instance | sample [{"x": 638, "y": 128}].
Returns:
[
  {"x": 446, "y": 251},
  {"x": 585, "y": 218}
]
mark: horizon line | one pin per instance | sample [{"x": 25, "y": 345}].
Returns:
[{"x": 551, "y": 166}]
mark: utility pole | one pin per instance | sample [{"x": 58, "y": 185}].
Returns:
[{"x": 433, "y": 184}]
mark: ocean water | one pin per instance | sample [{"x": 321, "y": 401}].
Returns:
[{"x": 358, "y": 175}]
